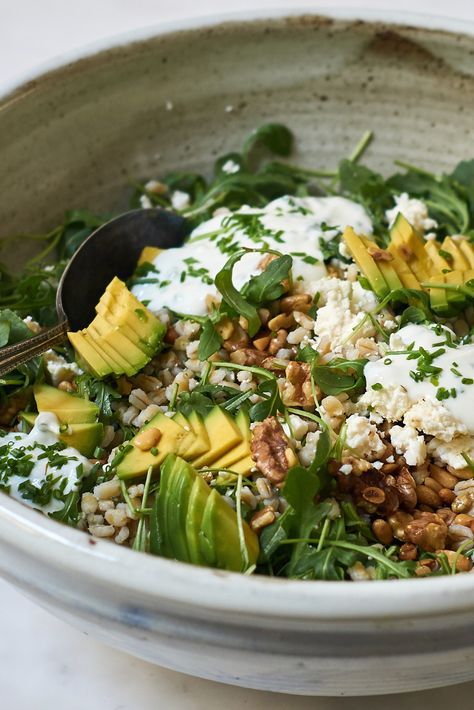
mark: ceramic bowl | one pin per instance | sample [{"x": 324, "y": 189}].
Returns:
[{"x": 175, "y": 97}]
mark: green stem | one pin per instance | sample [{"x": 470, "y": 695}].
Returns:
[
  {"x": 361, "y": 146},
  {"x": 238, "y": 504}
]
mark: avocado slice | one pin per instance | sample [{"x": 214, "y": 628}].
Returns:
[
  {"x": 365, "y": 262},
  {"x": 112, "y": 339},
  {"x": 148, "y": 255},
  {"x": 197, "y": 502},
  {"x": 458, "y": 260},
  {"x": 85, "y": 438},
  {"x": 121, "y": 308},
  {"x": 68, "y": 408},
  {"x": 194, "y": 444},
  {"x": 122, "y": 338},
  {"x": 197, "y": 423},
  {"x": 136, "y": 462},
  {"x": 386, "y": 266},
  {"x": 223, "y": 433},
  {"x": 219, "y": 536},
  {"x": 177, "y": 495},
  {"x": 467, "y": 250},
  {"x": 457, "y": 298},
  {"x": 403, "y": 234},
  {"x": 88, "y": 355},
  {"x": 242, "y": 449},
  {"x": 243, "y": 466},
  {"x": 161, "y": 506}
]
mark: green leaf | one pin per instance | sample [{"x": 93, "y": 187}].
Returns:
[
  {"x": 412, "y": 314},
  {"x": 340, "y": 376},
  {"x": 268, "y": 286},
  {"x": 98, "y": 391},
  {"x": 4, "y": 333},
  {"x": 233, "y": 297},
  {"x": 276, "y": 137},
  {"x": 194, "y": 401},
  {"x": 300, "y": 487},
  {"x": 271, "y": 404},
  {"x": 209, "y": 342}
]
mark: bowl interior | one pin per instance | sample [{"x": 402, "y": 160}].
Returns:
[{"x": 80, "y": 135}]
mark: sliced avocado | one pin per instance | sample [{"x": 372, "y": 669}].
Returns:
[
  {"x": 68, "y": 408},
  {"x": 457, "y": 298},
  {"x": 161, "y": 505},
  {"x": 148, "y": 255},
  {"x": 403, "y": 234},
  {"x": 219, "y": 536},
  {"x": 194, "y": 444},
  {"x": 197, "y": 423},
  {"x": 136, "y": 462},
  {"x": 438, "y": 299},
  {"x": 439, "y": 262},
  {"x": 177, "y": 494},
  {"x": 120, "y": 322},
  {"x": 386, "y": 266},
  {"x": 468, "y": 251},
  {"x": 117, "y": 361},
  {"x": 242, "y": 449},
  {"x": 85, "y": 438},
  {"x": 108, "y": 336},
  {"x": 88, "y": 356},
  {"x": 405, "y": 274},
  {"x": 458, "y": 260},
  {"x": 223, "y": 435},
  {"x": 365, "y": 262},
  {"x": 197, "y": 502},
  {"x": 125, "y": 311},
  {"x": 243, "y": 466}
]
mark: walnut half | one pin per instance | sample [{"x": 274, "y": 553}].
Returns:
[{"x": 271, "y": 450}]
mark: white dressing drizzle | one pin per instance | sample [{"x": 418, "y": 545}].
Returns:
[
  {"x": 27, "y": 460},
  {"x": 453, "y": 385},
  {"x": 183, "y": 277}
]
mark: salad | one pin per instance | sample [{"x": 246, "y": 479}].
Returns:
[{"x": 290, "y": 393}]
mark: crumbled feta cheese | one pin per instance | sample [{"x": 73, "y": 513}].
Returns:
[
  {"x": 362, "y": 438},
  {"x": 145, "y": 202},
  {"x": 415, "y": 211},
  {"x": 180, "y": 200},
  {"x": 343, "y": 305},
  {"x": 308, "y": 451},
  {"x": 59, "y": 368},
  {"x": 230, "y": 167},
  {"x": 451, "y": 452},
  {"x": 391, "y": 402},
  {"x": 299, "y": 426},
  {"x": 346, "y": 469},
  {"x": 433, "y": 418},
  {"x": 343, "y": 250},
  {"x": 409, "y": 443}
]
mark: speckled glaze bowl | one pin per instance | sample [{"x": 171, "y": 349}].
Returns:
[{"x": 74, "y": 137}]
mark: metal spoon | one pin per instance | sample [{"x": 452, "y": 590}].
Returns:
[{"x": 112, "y": 250}]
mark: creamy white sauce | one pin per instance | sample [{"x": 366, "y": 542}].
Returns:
[
  {"x": 44, "y": 434},
  {"x": 395, "y": 369},
  {"x": 294, "y": 225}
]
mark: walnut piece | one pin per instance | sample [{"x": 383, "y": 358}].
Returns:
[
  {"x": 296, "y": 387},
  {"x": 428, "y": 531},
  {"x": 271, "y": 450}
]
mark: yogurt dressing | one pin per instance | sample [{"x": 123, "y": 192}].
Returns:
[
  {"x": 68, "y": 466},
  {"x": 453, "y": 386},
  {"x": 183, "y": 277}
]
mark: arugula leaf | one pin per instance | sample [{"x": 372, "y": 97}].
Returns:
[
  {"x": 276, "y": 137},
  {"x": 210, "y": 341},
  {"x": 272, "y": 403},
  {"x": 340, "y": 375},
  {"x": 98, "y": 391},
  {"x": 412, "y": 314},
  {"x": 268, "y": 286},
  {"x": 369, "y": 188},
  {"x": 444, "y": 201},
  {"x": 194, "y": 401},
  {"x": 233, "y": 298}
]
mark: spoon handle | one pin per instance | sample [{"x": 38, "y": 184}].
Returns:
[{"x": 14, "y": 355}]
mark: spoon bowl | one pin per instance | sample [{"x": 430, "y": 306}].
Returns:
[{"x": 112, "y": 250}]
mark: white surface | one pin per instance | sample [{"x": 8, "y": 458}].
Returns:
[{"x": 43, "y": 663}]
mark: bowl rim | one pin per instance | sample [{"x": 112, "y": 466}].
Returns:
[{"x": 69, "y": 549}]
